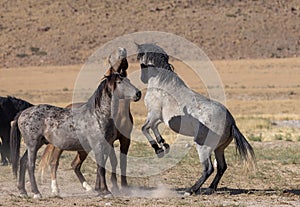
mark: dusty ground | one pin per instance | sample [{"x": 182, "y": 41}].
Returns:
[{"x": 263, "y": 95}]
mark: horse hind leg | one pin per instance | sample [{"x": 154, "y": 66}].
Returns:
[
  {"x": 76, "y": 165},
  {"x": 22, "y": 172},
  {"x": 32, "y": 152},
  {"x": 204, "y": 153},
  {"x": 54, "y": 163},
  {"x": 221, "y": 168}
]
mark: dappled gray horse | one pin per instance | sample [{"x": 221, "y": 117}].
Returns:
[
  {"x": 169, "y": 100},
  {"x": 87, "y": 128},
  {"x": 117, "y": 61}
]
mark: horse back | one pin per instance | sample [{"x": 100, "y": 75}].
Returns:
[{"x": 38, "y": 117}]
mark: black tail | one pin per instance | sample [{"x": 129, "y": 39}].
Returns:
[
  {"x": 243, "y": 147},
  {"x": 15, "y": 139}
]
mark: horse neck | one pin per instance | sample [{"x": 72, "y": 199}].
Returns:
[
  {"x": 120, "y": 107},
  {"x": 100, "y": 102},
  {"x": 165, "y": 79},
  {"x": 103, "y": 106}
]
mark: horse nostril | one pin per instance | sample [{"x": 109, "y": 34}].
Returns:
[{"x": 139, "y": 94}]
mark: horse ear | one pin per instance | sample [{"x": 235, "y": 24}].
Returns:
[
  {"x": 137, "y": 45},
  {"x": 111, "y": 83},
  {"x": 107, "y": 63},
  {"x": 109, "y": 72}
]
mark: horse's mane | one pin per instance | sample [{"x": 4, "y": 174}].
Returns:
[
  {"x": 103, "y": 88},
  {"x": 95, "y": 99},
  {"x": 154, "y": 55},
  {"x": 169, "y": 77},
  {"x": 122, "y": 69}
]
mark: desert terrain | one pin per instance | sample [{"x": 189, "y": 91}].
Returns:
[{"x": 255, "y": 48}]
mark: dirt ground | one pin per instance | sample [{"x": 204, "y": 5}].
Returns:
[{"x": 263, "y": 95}]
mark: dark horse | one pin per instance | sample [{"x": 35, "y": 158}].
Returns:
[
  {"x": 170, "y": 101},
  {"x": 9, "y": 107},
  {"x": 87, "y": 128},
  {"x": 117, "y": 61}
]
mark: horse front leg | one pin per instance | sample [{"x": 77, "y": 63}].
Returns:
[
  {"x": 101, "y": 151},
  {"x": 145, "y": 129},
  {"x": 76, "y": 165},
  {"x": 165, "y": 146},
  {"x": 124, "y": 147},
  {"x": 32, "y": 152},
  {"x": 114, "y": 163}
]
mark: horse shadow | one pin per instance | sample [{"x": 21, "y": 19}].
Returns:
[{"x": 233, "y": 191}]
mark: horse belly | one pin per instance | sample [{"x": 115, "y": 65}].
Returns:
[
  {"x": 181, "y": 125},
  {"x": 63, "y": 138}
]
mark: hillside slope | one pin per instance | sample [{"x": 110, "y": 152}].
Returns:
[{"x": 67, "y": 32}]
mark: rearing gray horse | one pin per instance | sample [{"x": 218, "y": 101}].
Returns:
[{"x": 169, "y": 100}]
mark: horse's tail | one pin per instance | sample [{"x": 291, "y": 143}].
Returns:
[
  {"x": 15, "y": 140},
  {"x": 46, "y": 159},
  {"x": 244, "y": 148}
]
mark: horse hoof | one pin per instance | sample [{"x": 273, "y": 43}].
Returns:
[
  {"x": 87, "y": 187},
  {"x": 187, "y": 194},
  {"x": 166, "y": 148},
  {"x": 105, "y": 194},
  {"x": 5, "y": 164},
  {"x": 37, "y": 196},
  {"x": 115, "y": 190},
  {"x": 209, "y": 191},
  {"x": 55, "y": 194},
  {"x": 23, "y": 195},
  {"x": 160, "y": 153},
  {"x": 108, "y": 195}
]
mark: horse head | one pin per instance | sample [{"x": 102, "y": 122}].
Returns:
[
  {"x": 120, "y": 87},
  {"x": 153, "y": 55}
]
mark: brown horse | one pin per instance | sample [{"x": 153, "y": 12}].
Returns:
[{"x": 118, "y": 62}]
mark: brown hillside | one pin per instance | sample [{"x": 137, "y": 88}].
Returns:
[{"x": 67, "y": 32}]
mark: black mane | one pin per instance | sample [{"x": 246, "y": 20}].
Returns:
[
  {"x": 103, "y": 88},
  {"x": 154, "y": 55}
]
